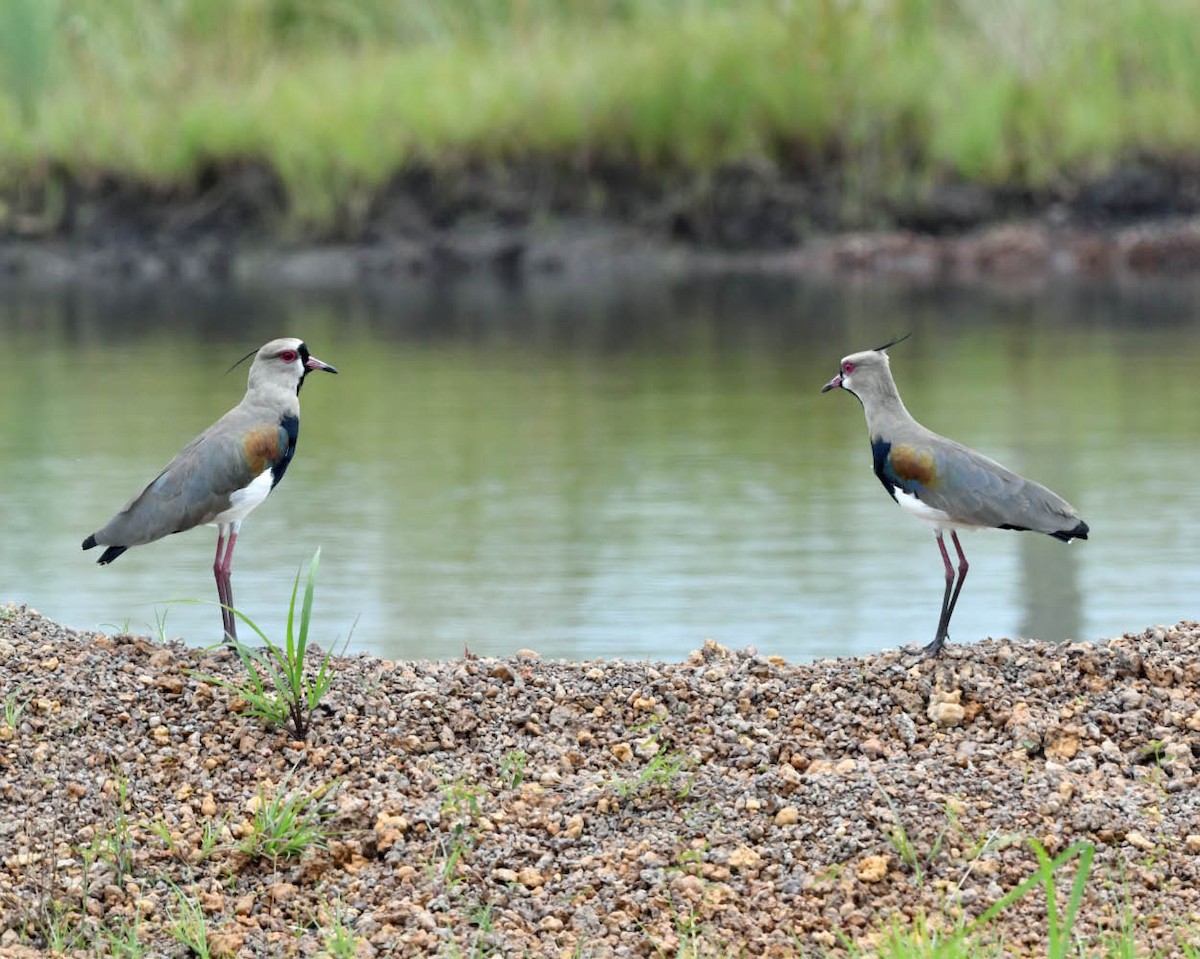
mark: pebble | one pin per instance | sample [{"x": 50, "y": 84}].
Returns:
[
  {"x": 528, "y": 876},
  {"x": 872, "y": 869},
  {"x": 787, "y": 816}
]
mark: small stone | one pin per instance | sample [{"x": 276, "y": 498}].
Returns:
[
  {"x": 873, "y": 747},
  {"x": 789, "y": 776},
  {"x": 282, "y": 891},
  {"x": 211, "y": 902},
  {"x": 208, "y": 806},
  {"x": 1192, "y": 842},
  {"x": 787, "y": 816},
  {"x": 872, "y": 869},
  {"x": 528, "y": 654},
  {"x": 530, "y": 878},
  {"x": 946, "y": 714},
  {"x": 1139, "y": 841},
  {"x": 506, "y": 876},
  {"x": 574, "y": 827},
  {"x": 225, "y": 945},
  {"x": 746, "y": 858},
  {"x": 161, "y": 657},
  {"x": 170, "y": 684},
  {"x": 622, "y": 751},
  {"x": 50, "y": 664},
  {"x": 1062, "y": 744}
]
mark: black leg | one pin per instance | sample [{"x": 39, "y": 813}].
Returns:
[{"x": 943, "y": 629}]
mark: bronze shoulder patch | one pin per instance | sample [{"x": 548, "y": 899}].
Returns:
[
  {"x": 260, "y": 446},
  {"x": 913, "y": 464}
]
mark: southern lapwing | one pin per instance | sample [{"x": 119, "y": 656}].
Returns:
[
  {"x": 226, "y": 471},
  {"x": 942, "y": 482}
]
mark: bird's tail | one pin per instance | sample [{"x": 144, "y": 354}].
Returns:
[{"x": 108, "y": 555}]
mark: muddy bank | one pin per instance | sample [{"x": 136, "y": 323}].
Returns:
[
  {"x": 233, "y": 223},
  {"x": 597, "y": 809}
]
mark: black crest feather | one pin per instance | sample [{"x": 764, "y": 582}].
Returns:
[
  {"x": 241, "y": 361},
  {"x": 899, "y": 339}
]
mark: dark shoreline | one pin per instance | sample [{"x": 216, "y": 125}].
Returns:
[{"x": 232, "y": 223}]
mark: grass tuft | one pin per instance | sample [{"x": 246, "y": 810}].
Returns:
[
  {"x": 287, "y": 823},
  {"x": 339, "y": 95},
  {"x": 279, "y": 689}
]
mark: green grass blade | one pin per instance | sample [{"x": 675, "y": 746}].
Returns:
[
  {"x": 290, "y": 635},
  {"x": 306, "y": 612},
  {"x": 1078, "y": 885}
]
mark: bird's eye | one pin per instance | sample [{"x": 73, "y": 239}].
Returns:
[
  {"x": 847, "y": 368},
  {"x": 288, "y": 356}
]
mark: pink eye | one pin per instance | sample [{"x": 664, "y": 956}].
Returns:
[
  {"x": 847, "y": 368},
  {"x": 288, "y": 356}
]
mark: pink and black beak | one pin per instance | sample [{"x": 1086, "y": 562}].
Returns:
[
  {"x": 833, "y": 384},
  {"x": 311, "y": 363}
]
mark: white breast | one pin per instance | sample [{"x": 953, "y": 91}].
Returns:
[
  {"x": 926, "y": 513},
  {"x": 245, "y": 499}
]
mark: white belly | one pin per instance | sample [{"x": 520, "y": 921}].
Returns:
[
  {"x": 936, "y": 518},
  {"x": 244, "y": 500}
]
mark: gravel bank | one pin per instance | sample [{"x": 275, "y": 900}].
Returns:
[{"x": 600, "y": 808}]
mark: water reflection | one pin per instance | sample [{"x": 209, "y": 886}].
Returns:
[{"x": 618, "y": 469}]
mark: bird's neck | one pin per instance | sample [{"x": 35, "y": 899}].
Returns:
[
  {"x": 884, "y": 409},
  {"x": 272, "y": 396}
]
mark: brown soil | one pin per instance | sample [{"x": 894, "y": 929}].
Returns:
[
  {"x": 600, "y": 808},
  {"x": 513, "y": 219}
]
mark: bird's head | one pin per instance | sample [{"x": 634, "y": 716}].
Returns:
[
  {"x": 285, "y": 362},
  {"x": 859, "y": 372}
]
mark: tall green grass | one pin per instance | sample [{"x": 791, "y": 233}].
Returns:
[{"x": 339, "y": 94}]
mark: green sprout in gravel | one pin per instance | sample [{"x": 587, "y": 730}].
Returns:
[
  {"x": 289, "y": 822},
  {"x": 115, "y": 844},
  {"x": 14, "y": 706},
  {"x": 337, "y": 937},
  {"x": 664, "y": 771},
  {"x": 512, "y": 767},
  {"x": 459, "y": 811},
  {"x": 278, "y": 689},
  {"x": 122, "y": 940},
  {"x": 923, "y": 939},
  {"x": 187, "y": 924}
]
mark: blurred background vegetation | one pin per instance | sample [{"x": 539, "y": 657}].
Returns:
[{"x": 337, "y": 95}]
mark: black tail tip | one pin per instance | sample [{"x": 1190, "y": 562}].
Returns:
[{"x": 108, "y": 555}]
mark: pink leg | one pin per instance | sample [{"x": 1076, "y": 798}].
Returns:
[
  {"x": 222, "y": 565},
  {"x": 950, "y": 596}
]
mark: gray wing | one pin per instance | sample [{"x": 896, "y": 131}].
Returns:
[
  {"x": 197, "y": 484},
  {"x": 976, "y": 490}
]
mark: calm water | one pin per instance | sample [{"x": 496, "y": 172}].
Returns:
[{"x": 619, "y": 471}]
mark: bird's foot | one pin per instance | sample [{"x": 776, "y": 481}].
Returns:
[{"x": 934, "y": 649}]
